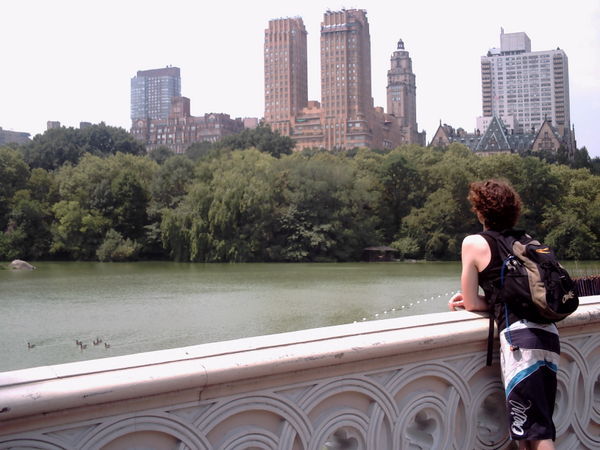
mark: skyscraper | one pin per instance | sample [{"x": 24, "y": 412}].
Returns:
[
  {"x": 152, "y": 92},
  {"x": 346, "y": 78},
  {"x": 345, "y": 118},
  {"x": 286, "y": 80},
  {"x": 525, "y": 87},
  {"x": 161, "y": 117},
  {"x": 402, "y": 94}
]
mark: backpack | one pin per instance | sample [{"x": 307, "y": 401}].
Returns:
[{"x": 533, "y": 285}]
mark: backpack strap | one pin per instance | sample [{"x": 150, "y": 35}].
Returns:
[
  {"x": 492, "y": 315},
  {"x": 490, "y": 341},
  {"x": 494, "y": 298},
  {"x": 501, "y": 247}
]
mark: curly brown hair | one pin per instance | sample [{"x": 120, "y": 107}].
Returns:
[{"x": 496, "y": 202}]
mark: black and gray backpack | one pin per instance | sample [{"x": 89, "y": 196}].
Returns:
[{"x": 533, "y": 285}]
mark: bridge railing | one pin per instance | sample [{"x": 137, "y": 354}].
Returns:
[{"x": 416, "y": 382}]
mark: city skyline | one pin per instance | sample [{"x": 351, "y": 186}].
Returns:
[
  {"x": 345, "y": 116},
  {"x": 50, "y": 64}
]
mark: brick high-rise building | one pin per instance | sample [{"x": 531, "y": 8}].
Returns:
[
  {"x": 402, "y": 95},
  {"x": 345, "y": 118},
  {"x": 152, "y": 92},
  {"x": 180, "y": 129},
  {"x": 160, "y": 116},
  {"x": 286, "y": 80},
  {"x": 346, "y": 79},
  {"x": 528, "y": 86}
]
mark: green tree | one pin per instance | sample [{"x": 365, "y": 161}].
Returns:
[
  {"x": 131, "y": 201},
  {"x": 581, "y": 159},
  {"x": 227, "y": 213},
  {"x": 569, "y": 237},
  {"x": 14, "y": 174},
  {"x": 58, "y": 146},
  {"x": 440, "y": 217},
  {"x": 532, "y": 178},
  {"x": 99, "y": 194},
  {"x": 572, "y": 224},
  {"x": 262, "y": 138},
  {"x": 78, "y": 231},
  {"x": 402, "y": 189},
  {"x": 28, "y": 233},
  {"x": 43, "y": 187},
  {"x": 201, "y": 150},
  {"x": 160, "y": 154},
  {"x": 115, "y": 248},
  {"x": 433, "y": 227},
  {"x": 171, "y": 182},
  {"x": 325, "y": 211}
]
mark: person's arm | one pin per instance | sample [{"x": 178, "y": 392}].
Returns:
[{"x": 476, "y": 255}]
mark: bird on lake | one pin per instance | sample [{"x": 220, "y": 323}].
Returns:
[
  {"x": 30, "y": 345},
  {"x": 106, "y": 345}
]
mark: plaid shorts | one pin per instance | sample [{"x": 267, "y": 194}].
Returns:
[{"x": 529, "y": 377}]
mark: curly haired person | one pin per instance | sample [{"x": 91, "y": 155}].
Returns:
[{"x": 529, "y": 351}]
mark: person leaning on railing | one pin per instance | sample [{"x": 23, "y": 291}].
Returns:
[{"x": 529, "y": 357}]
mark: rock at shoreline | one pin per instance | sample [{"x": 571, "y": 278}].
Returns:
[{"x": 19, "y": 264}]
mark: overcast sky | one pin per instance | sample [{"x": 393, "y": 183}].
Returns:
[{"x": 72, "y": 60}]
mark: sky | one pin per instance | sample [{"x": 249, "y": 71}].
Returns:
[{"x": 72, "y": 60}]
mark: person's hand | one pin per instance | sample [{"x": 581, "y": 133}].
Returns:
[{"x": 456, "y": 302}]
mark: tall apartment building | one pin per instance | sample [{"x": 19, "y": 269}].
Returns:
[
  {"x": 286, "y": 79},
  {"x": 345, "y": 118},
  {"x": 152, "y": 92},
  {"x": 402, "y": 94},
  {"x": 160, "y": 116},
  {"x": 526, "y": 87},
  {"x": 346, "y": 78}
]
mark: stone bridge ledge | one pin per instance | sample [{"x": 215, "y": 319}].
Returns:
[{"x": 411, "y": 382}]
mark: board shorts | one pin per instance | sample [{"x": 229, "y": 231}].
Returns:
[{"x": 529, "y": 377}]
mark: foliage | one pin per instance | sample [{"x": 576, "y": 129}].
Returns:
[
  {"x": 115, "y": 248},
  {"x": 171, "y": 182},
  {"x": 225, "y": 217},
  {"x": 13, "y": 176},
  {"x": 86, "y": 194},
  {"x": 58, "y": 146},
  {"x": 325, "y": 211},
  {"x": 99, "y": 194},
  {"x": 160, "y": 154},
  {"x": 261, "y": 138},
  {"x": 27, "y": 235}
]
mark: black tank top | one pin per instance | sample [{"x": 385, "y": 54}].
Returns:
[{"x": 489, "y": 280}]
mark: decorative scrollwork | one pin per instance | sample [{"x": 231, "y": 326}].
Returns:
[{"x": 445, "y": 403}]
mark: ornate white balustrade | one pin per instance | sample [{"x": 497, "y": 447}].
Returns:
[{"x": 407, "y": 383}]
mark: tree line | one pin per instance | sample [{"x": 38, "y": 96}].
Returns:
[{"x": 95, "y": 194}]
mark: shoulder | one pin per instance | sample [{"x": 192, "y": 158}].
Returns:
[
  {"x": 474, "y": 242},
  {"x": 476, "y": 251}
]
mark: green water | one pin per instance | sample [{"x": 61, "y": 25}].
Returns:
[
  {"x": 137, "y": 307},
  {"x": 145, "y": 306}
]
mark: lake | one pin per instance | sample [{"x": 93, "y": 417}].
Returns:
[{"x": 145, "y": 306}]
